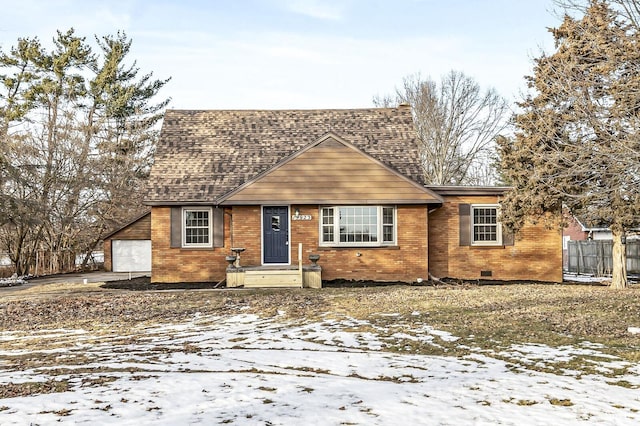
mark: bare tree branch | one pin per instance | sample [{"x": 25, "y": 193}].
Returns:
[{"x": 456, "y": 125}]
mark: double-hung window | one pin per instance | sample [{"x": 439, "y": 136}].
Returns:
[
  {"x": 357, "y": 226},
  {"x": 197, "y": 227},
  {"x": 485, "y": 225}
]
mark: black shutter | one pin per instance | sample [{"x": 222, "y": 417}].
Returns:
[
  {"x": 464, "y": 217},
  {"x": 176, "y": 227},
  {"x": 218, "y": 227}
]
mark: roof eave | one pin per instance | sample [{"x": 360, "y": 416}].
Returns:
[
  {"x": 445, "y": 190},
  {"x": 328, "y": 202},
  {"x": 163, "y": 203}
]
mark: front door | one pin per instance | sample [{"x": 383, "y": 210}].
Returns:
[{"x": 275, "y": 234}]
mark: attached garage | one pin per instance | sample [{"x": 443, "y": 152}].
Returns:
[
  {"x": 128, "y": 249},
  {"x": 131, "y": 255}
]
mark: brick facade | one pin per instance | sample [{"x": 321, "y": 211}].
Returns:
[
  {"x": 536, "y": 254},
  {"x": 405, "y": 262},
  {"x": 573, "y": 229},
  {"x": 170, "y": 265},
  {"x": 246, "y": 233},
  {"x": 426, "y": 243},
  {"x": 139, "y": 229}
]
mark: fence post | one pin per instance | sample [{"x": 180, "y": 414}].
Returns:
[
  {"x": 579, "y": 246},
  {"x": 600, "y": 258}
]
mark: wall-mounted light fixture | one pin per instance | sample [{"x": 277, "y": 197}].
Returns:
[{"x": 297, "y": 212}]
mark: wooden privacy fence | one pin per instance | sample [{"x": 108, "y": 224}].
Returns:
[{"x": 594, "y": 257}]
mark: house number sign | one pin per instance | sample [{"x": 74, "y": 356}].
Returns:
[{"x": 301, "y": 217}]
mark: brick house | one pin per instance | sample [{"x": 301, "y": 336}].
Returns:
[{"x": 344, "y": 184}]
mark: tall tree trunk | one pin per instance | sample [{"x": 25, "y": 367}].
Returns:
[{"x": 619, "y": 255}]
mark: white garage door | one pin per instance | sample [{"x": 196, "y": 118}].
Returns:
[{"x": 131, "y": 255}]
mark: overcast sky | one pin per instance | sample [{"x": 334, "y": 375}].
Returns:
[{"x": 254, "y": 54}]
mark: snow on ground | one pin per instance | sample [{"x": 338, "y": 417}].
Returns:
[
  {"x": 12, "y": 281},
  {"x": 249, "y": 370},
  {"x": 572, "y": 277}
]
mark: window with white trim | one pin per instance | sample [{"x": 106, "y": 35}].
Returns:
[
  {"x": 196, "y": 230},
  {"x": 357, "y": 226},
  {"x": 485, "y": 225}
]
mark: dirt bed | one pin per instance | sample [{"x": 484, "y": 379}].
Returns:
[{"x": 144, "y": 283}]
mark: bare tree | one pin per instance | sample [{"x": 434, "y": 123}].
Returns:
[
  {"x": 577, "y": 142},
  {"x": 78, "y": 130},
  {"x": 456, "y": 125}
]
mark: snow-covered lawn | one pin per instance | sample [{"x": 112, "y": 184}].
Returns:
[{"x": 244, "y": 369}]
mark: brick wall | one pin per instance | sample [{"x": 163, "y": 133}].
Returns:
[
  {"x": 184, "y": 265},
  {"x": 536, "y": 254},
  {"x": 573, "y": 229},
  {"x": 405, "y": 262},
  {"x": 247, "y": 233},
  {"x": 138, "y": 230}
]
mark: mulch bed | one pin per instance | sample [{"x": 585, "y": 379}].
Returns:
[{"x": 144, "y": 283}]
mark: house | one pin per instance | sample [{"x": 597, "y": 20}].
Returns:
[
  {"x": 275, "y": 186},
  {"x": 580, "y": 229}
]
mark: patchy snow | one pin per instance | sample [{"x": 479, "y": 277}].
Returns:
[
  {"x": 245, "y": 369},
  {"x": 585, "y": 278},
  {"x": 570, "y": 277},
  {"x": 12, "y": 281}
]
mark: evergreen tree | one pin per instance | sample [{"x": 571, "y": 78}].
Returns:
[
  {"x": 577, "y": 142},
  {"x": 78, "y": 129}
]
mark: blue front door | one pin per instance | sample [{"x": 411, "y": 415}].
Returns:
[{"x": 275, "y": 234}]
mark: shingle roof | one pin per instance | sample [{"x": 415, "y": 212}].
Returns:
[{"x": 202, "y": 155}]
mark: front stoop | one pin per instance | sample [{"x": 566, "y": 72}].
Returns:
[{"x": 309, "y": 276}]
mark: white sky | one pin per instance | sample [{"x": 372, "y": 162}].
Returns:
[{"x": 302, "y": 53}]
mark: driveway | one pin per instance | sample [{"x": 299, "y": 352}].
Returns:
[{"x": 76, "y": 278}]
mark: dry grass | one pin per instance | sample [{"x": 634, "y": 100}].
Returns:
[
  {"x": 488, "y": 317},
  {"x": 11, "y": 390}
]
